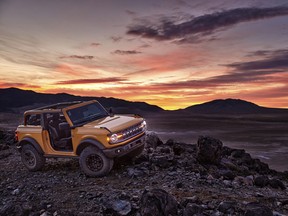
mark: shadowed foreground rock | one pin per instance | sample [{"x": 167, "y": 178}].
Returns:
[
  {"x": 257, "y": 209},
  {"x": 152, "y": 140},
  {"x": 158, "y": 202},
  {"x": 209, "y": 150},
  {"x": 7, "y": 137}
]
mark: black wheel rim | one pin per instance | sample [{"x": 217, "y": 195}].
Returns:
[
  {"x": 29, "y": 158},
  {"x": 94, "y": 162}
]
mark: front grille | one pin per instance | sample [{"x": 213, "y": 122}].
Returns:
[{"x": 132, "y": 131}]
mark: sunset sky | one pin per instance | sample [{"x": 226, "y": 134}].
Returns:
[{"x": 171, "y": 53}]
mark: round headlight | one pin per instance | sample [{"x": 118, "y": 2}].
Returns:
[
  {"x": 143, "y": 124},
  {"x": 113, "y": 138}
]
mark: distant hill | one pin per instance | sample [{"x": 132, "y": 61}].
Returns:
[
  {"x": 15, "y": 100},
  {"x": 231, "y": 106}
]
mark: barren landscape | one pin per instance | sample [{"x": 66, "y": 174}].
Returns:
[
  {"x": 167, "y": 179},
  {"x": 264, "y": 136}
]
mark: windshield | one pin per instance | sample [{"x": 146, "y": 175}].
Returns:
[{"x": 87, "y": 113}]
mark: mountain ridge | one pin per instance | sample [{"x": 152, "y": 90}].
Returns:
[{"x": 12, "y": 99}]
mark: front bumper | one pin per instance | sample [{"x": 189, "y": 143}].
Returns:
[{"x": 125, "y": 149}]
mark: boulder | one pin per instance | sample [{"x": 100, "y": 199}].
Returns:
[
  {"x": 227, "y": 207},
  {"x": 158, "y": 202},
  {"x": 137, "y": 172},
  {"x": 118, "y": 207},
  {"x": 152, "y": 140},
  {"x": 237, "y": 153},
  {"x": 244, "y": 159},
  {"x": 122, "y": 207},
  {"x": 261, "y": 181},
  {"x": 192, "y": 209},
  {"x": 164, "y": 150},
  {"x": 209, "y": 150},
  {"x": 178, "y": 149},
  {"x": 261, "y": 167},
  {"x": 141, "y": 159},
  {"x": 257, "y": 209},
  {"x": 227, "y": 174},
  {"x": 277, "y": 184},
  {"x": 162, "y": 161},
  {"x": 170, "y": 142}
]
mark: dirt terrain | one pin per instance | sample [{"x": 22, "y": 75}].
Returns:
[{"x": 167, "y": 179}]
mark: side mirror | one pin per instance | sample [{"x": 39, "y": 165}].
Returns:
[
  {"x": 111, "y": 112},
  {"x": 64, "y": 126}
]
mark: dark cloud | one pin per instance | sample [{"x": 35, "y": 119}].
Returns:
[
  {"x": 129, "y": 12},
  {"x": 126, "y": 52},
  {"x": 261, "y": 70},
  {"x": 268, "y": 53},
  {"x": 272, "y": 61},
  {"x": 145, "y": 46},
  {"x": 85, "y": 57},
  {"x": 95, "y": 44},
  {"x": 195, "y": 28},
  {"x": 90, "y": 81},
  {"x": 258, "y": 71},
  {"x": 116, "y": 38}
]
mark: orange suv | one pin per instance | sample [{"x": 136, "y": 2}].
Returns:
[{"x": 79, "y": 129}]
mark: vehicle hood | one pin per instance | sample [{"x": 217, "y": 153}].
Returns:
[{"x": 114, "y": 123}]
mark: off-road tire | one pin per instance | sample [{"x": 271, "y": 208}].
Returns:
[
  {"x": 31, "y": 158},
  {"x": 94, "y": 163}
]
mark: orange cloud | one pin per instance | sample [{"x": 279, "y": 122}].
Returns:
[
  {"x": 19, "y": 85},
  {"x": 166, "y": 62},
  {"x": 66, "y": 69},
  {"x": 75, "y": 69},
  {"x": 84, "y": 81}
]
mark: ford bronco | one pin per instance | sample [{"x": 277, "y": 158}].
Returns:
[{"x": 79, "y": 129}]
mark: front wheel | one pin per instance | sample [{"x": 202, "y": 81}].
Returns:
[
  {"x": 31, "y": 158},
  {"x": 94, "y": 163}
]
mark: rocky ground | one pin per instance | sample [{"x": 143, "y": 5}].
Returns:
[{"x": 169, "y": 178}]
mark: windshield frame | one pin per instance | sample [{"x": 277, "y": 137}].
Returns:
[{"x": 85, "y": 112}]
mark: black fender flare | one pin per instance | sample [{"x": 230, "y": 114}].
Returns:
[
  {"x": 33, "y": 142},
  {"x": 88, "y": 142}
]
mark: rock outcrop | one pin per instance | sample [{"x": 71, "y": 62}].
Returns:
[
  {"x": 158, "y": 202},
  {"x": 209, "y": 150}
]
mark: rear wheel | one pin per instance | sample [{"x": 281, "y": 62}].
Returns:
[
  {"x": 94, "y": 163},
  {"x": 31, "y": 158}
]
